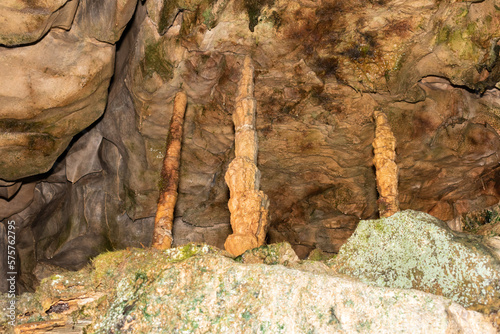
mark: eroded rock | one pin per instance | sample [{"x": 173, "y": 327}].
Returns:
[
  {"x": 25, "y": 22},
  {"x": 414, "y": 250},
  {"x": 321, "y": 69},
  {"x": 196, "y": 289}
]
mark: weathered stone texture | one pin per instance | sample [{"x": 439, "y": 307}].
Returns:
[
  {"x": 26, "y": 22},
  {"x": 196, "y": 289},
  {"x": 413, "y": 250},
  {"x": 321, "y": 68}
]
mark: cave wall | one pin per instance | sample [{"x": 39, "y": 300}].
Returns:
[{"x": 96, "y": 94}]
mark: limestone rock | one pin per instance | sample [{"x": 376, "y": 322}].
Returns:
[
  {"x": 104, "y": 20},
  {"x": 414, "y": 250},
  {"x": 196, "y": 289},
  {"x": 25, "y": 22},
  {"x": 38, "y": 104},
  {"x": 321, "y": 68},
  {"x": 45, "y": 101},
  {"x": 23, "y": 198},
  {"x": 482, "y": 222},
  {"x": 83, "y": 157}
]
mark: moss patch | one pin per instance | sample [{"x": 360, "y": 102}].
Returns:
[
  {"x": 154, "y": 61},
  {"x": 253, "y": 8}
]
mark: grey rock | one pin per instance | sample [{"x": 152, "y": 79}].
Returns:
[{"x": 414, "y": 250}]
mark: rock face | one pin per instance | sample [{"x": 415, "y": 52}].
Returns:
[
  {"x": 195, "y": 289},
  {"x": 45, "y": 101},
  {"x": 25, "y": 22},
  {"x": 414, "y": 250},
  {"x": 321, "y": 68}
]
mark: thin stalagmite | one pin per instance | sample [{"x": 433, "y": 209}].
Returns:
[
  {"x": 162, "y": 235},
  {"x": 384, "y": 147},
  {"x": 248, "y": 205}
]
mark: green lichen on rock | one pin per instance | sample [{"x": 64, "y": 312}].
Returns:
[
  {"x": 197, "y": 289},
  {"x": 483, "y": 222},
  {"x": 155, "y": 61},
  {"x": 280, "y": 253},
  {"x": 414, "y": 250},
  {"x": 203, "y": 8}
]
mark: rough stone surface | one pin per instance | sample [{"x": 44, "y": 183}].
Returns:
[
  {"x": 483, "y": 222},
  {"x": 40, "y": 97},
  {"x": 321, "y": 68},
  {"x": 195, "y": 289},
  {"x": 281, "y": 253},
  {"x": 45, "y": 101},
  {"x": 414, "y": 250},
  {"x": 25, "y": 22}
]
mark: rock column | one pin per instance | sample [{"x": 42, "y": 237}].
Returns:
[
  {"x": 248, "y": 205},
  {"x": 384, "y": 146},
  {"x": 162, "y": 235}
]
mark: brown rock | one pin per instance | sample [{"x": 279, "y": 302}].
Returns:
[{"x": 23, "y": 22}]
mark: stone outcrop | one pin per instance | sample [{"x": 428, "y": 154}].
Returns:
[
  {"x": 162, "y": 235},
  {"x": 413, "y": 250},
  {"x": 25, "y": 22},
  {"x": 45, "y": 101},
  {"x": 321, "y": 68},
  {"x": 384, "y": 151},
  {"x": 248, "y": 205},
  {"x": 196, "y": 289}
]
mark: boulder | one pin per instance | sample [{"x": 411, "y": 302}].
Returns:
[
  {"x": 197, "y": 289},
  {"x": 413, "y": 250}
]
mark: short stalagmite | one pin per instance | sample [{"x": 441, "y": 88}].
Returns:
[
  {"x": 162, "y": 235},
  {"x": 248, "y": 205},
  {"x": 384, "y": 147}
]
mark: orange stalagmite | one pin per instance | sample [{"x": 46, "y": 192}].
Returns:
[
  {"x": 384, "y": 147},
  {"x": 248, "y": 205},
  {"x": 162, "y": 235}
]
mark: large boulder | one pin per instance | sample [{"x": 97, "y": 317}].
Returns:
[
  {"x": 413, "y": 250},
  {"x": 196, "y": 289}
]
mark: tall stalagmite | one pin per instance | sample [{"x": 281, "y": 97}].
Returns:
[
  {"x": 248, "y": 205},
  {"x": 162, "y": 235},
  {"x": 384, "y": 147}
]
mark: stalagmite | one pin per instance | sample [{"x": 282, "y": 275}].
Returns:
[
  {"x": 384, "y": 146},
  {"x": 162, "y": 235},
  {"x": 248, "y": 205}
]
